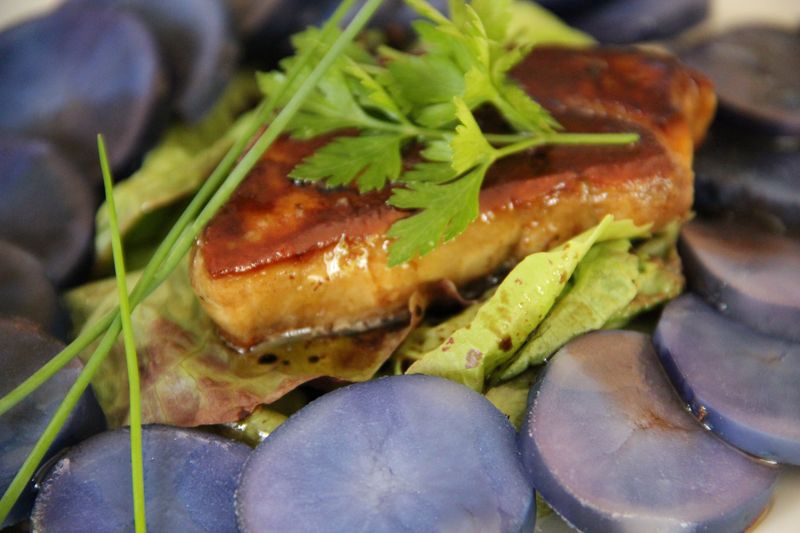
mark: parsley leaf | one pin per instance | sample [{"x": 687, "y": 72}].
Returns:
[
  {"x": 426, "y": 99},
  {"x": 368, "y": 160},
  {"x": 445, "y": 212},
  {"x": 469, "y": 146}
]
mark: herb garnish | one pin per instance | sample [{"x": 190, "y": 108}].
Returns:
[
  {"x": 135, "y": 409},
  {"x": 208, "y": 200},
  {"x": 400, "y": 98},
  {"x": 403, "y": 98}
]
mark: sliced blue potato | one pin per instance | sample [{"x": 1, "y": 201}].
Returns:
[
  {"x": 26, "y": 292},
  {"x": 750, "y": 175},
  {"x": 405, "y": 453},
  {"x": 45, "y": 207},
  {"x": 630, "y": 21},
  {"x": 77, "y": 72},
  {"x": 267, "y": 25},
  {"x": 741, "y": 384},
  {"x": 24, "y": 348},
  {"x": 755, "y": 70},
  {"x": 750, "y": 275},
  {"x": 189, "y": 480},
  {"x": 610, "y": 447},
  {"x": 567, "y": 8},
  {"x": 198, "y": 42}
]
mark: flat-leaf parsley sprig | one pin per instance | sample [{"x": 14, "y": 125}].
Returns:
[
  {"x": 426, "y": 99},
  {"x": 234, "y": 167}
]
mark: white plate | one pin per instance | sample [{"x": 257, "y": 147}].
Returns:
[{"x": 783, "y": 515}]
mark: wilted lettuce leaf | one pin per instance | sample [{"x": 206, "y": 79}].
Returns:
[
  {"x": 189, "y": 377},
  {"x": 518, "y": 306},
  {"x": 255, "y": 427},
  {"x": 427, "y": 337},
  {"x": 179, "y": 164},
  {"x": 604, "y": 283},
  {"x": 660, "y": 276},
  {"x": 511, "y": 397}
]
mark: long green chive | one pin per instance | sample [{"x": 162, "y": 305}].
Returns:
[
  {"x": 137, "y": 468},
  {"x": 154, "y": 274},
  {"x": 184, "y": 242}
]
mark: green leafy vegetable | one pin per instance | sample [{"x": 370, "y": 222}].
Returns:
[
  {"x": 378, "y": 160},
  {"x": 208, "y": 200},
  {"x": 191, "y": 377},
  {"x": 518, "y": 306},
  {"x": 604, "y": 283},
  {"x": 131, "y": 360},
  {"x": 532, "y": 25},
  {"x": 426, "y": 100},
  {"x": 511, "y": 397}
]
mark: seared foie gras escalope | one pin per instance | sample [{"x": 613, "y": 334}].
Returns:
[{"x": 284, "y": 259}]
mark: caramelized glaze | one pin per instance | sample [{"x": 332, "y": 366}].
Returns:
[{"x": 284, "y": 258}]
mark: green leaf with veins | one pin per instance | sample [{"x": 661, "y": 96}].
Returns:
[
  {"x": 445, "y": 211},
  {"x": 469, "y": 146},
  {"x": 376, "y": 95},
  {"x": 430, "y": 172},
  {"x": 604, "y": 283},
  {"x": 518, "y": 306},
  {"x": 425, "y": 80},
  {"x": 496, "y": 17},
  {"x": 368, "y": 160},
  {"x": 425, "y": 98}
]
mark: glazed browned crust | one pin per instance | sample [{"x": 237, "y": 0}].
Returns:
[{"x": 282, "y": 258}]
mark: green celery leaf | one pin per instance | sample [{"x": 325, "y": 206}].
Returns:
[
  {"x": 179, "y": 164},
  {"x": 445, "y": 211},
  {"x": 518, "y": 306},
  {"x": 369, "y": 160},
  {"x": 605, "y": 282}
]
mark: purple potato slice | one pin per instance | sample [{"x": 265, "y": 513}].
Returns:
[
  {"x": 24, "y": 348},
  {"x": 755, "y": 70},
  {"x": 45, "y": 207},
  {"x": 750, "y": 275},
  {"x": 749, "y": 175},
  {"x": 405, "y": 453},
  {"x": 26, "y": 292},
  {"x": 77, "y": 72},
  {"x": 266, "y": 26},
  {"x": 609, "y": 446},
  {"x": 741, "y": 384},
  {"x": 568, "y": 8},
  {"x": 189, "y": 479},
  {"x": 198, "y": 41},
  {"x": 630, "y": 21}
]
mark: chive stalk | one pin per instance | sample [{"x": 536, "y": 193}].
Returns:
[
  {"x": 154, "y": 272},
  {"x": 175, "y": 246},
  {"x": 134, "y": 387}
]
